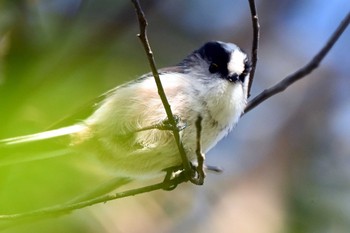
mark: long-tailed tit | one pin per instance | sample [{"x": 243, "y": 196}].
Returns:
[{"x": 123, "y": 132}]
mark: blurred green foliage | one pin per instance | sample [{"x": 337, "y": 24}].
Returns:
[
  {"x": 55, "y": 59},
  {"x": 286, "y": 164}
]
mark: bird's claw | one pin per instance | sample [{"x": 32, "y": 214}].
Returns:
[
  {"x": 197, "y": 174},
  {"x": 166, "y": 124}
]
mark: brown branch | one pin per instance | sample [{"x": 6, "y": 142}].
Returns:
[
  {"x": 255, "y": 43},
  {"x": 144, "y": 40},
  {"x": 199, "y": 180},
  {"x": 66, "y": 208},
  {"x": 168, "y": 184},
  {"x": 301, "y": 73}
]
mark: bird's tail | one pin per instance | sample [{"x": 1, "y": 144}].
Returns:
[
  {"x": 37, "y": 146},
  {"x": 43, "y": 135}
]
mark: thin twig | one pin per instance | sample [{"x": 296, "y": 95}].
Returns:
[
  {"x": 301, "y": 73},
  {"x": 144, "y": 40},
  {"x": 200, "y": 156},
  {"x": 62, "y": 209},
  {"x": 255, "y": 43}
]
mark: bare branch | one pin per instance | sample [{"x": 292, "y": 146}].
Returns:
[
  {"x": 168, "y": 184},
  {"x": 199, "y": 180},
  {"x": 144, "y": 40},
  {"x": 255, "y": 43},
  {"x": 64, "y": 209},
  {"x": 186, "y": 174},
  {"x": 301, "y": 73}
]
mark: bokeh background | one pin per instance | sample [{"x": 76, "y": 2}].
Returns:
[{"x": 286, "y": 165}]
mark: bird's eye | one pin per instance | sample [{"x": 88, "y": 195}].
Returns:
[{"x": 213, "y": 68}]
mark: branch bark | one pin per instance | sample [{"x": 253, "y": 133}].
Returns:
[
  {"x": 255, "y": 43},
  {"x": 144, "y": 40},
  {"x": 64, "y": 209},
  {"x": 170, "y": 183},
  {"x": 301, "y": 73}
]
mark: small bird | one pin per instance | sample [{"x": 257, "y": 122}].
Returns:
[{"x": 125, "y": 131}]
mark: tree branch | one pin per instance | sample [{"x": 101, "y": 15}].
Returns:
[
  {"x": 64, "y": 209},
  {"x": 184, "y": 175},
  {"x": 301, "y": 73},
  {"x": 144, "y": 40},
  {"x": 200, "y": 155},
  {"x": 255, "y": 43}
]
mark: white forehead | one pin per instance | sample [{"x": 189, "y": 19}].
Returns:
[{"x": 236, "y": 62}]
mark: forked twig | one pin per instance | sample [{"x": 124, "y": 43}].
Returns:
[
  {"x": 301, "y": 73},
  {"x": 144, "y": 40},
  {"x": 66, "y": 208}
]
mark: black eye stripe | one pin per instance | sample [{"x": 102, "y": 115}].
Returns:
[
  {"x": 214, "y": 68},
  {"x": 217, "y": 57}
]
